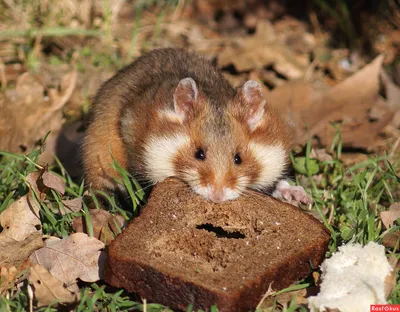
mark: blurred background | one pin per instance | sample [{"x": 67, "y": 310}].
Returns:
[{"x": 323, "y": 64}]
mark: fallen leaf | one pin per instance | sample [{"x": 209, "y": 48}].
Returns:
[
  {"x": 72, "y": 205},
  {"x": 391, "y": 279},
  {"x": 105, "y": 225},
  {"x": 388, "y": 217},
  {"x": 14, "y": 257},
  {"x": 48, "y": 289},
  {"x": 32, "y": 179},
  {"x": 350, "y": 102},
  {"x": 15, "y": 252},
  {"x": 20, "y": 219},
  {"x": 261, "y": 50},
  {"x": 52, "y": 181},
  {"x": 320, "y": 154},
  {"x": 11, "y": 276},
  {"x": 283, "y": 299},
  {"x": 52, "y": 120},
  {"x": 350, "y": 159},
  {"x": 7, "y": 277},
  {"x": 391, "y": 240},
  {"x": 77, "y": 256},
  {"x": 41, "y": 181},
  {"x": 265, "y": 298},
  {"x": 28, "y": 114},
  {"x": 312, "y": 109}
]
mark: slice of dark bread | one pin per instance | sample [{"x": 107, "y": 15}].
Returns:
[{"x": 185, "y": 250}]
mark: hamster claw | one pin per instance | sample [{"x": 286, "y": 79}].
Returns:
[{"x": 292, "y": 194}]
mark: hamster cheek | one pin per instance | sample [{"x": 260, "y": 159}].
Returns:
[
  {"x": 272, "y": 160},
  {"x": 186, "y": 167},
  {"x": 160, "y": 152}
]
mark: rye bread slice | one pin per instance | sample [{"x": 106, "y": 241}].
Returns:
[{"x": 185, "y": 250}]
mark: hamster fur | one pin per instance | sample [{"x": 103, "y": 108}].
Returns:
[{"x": 172, "y": 113}]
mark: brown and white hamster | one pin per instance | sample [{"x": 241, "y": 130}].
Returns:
[{"x": 173, "y": 114}]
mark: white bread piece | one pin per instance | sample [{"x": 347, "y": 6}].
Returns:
[{"x": 352, "y": 279}]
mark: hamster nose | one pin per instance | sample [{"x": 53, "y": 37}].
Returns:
[{"x": 216, "y": 195}]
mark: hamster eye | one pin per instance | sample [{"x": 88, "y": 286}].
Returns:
[
  {"x": 237, "y": 159},
  {"x": 200, "y": 155}
]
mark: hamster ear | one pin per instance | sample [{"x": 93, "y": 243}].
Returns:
[
  {"x": 252, "y": 104},
  {"x": 186, "y": 98}
]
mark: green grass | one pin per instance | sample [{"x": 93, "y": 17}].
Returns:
[
  {"x": 93, "y": 298},
  {"x": 352, "y": 198}
]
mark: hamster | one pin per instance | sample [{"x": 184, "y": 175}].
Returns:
[{"x": 173, "y": 114}]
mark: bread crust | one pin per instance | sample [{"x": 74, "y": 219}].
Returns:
[{"x": 165, "y": 257}]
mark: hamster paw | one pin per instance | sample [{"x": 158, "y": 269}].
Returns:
[{"x": 292, "y": 194}]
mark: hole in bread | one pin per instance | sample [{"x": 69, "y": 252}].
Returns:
[{"x": 220, "y": 232}]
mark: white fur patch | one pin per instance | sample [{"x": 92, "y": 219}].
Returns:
[
  {"x": 203, "y": 191},
  {"x": 272, "y": 159},
  {"x": 159, "y": 153},
  {"x": 230, "y": 194},
  {"x": 207, "y": 193}
]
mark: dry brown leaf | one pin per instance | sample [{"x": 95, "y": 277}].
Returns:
[
  {"x": 72, "y": 205},
  {"x": 41, "y": 181},
  {"x": 7, "y": 277},
  {"x": 283, "y": 299},
  {"x": 388, "y": 217},
  {"x": 320, "y": 154},
  {"x": 295, "y": 100},
  {"x": 312, "y": 109},
  {"x": 391, "y": 240},
  {"x": 77, "y": 256},
  {"x": 32, "y": 179},
  {"x": 105, "y": 225},
  {"x": 391, "y": 279},
  {"x": 28, "y": 114},
  {"x": 15, "y": 252},
  {"x": 48, "y": 289},
  {"x": 350, "y": 159},
  {"x": 262, "y": 49},
  {"x": 350, "y": 101},
  {"x": 20, "y": 219},
  {"x": 52, "y": 181},
  {"x": 265, "y": 299}
]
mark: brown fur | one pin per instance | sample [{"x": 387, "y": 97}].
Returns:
[{"x": 128, "y": 111}]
